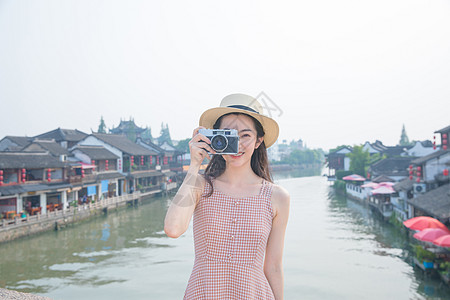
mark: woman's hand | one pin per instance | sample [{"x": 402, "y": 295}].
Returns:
[{"x": 199, "y": 146}]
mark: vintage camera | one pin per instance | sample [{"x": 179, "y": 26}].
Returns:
[{"x": 223, "y": 141}]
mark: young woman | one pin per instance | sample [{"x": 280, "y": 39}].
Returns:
[{"x": 240, "y": 216}]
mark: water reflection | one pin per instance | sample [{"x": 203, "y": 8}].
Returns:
[
  {"x": 390, "y": 242},
  {"x": 62, "y": 256}
]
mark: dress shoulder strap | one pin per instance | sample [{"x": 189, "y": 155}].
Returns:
[{"x": 266, "y": 189}]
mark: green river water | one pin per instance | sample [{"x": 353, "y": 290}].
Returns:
[{"x": 335, "y": 249}]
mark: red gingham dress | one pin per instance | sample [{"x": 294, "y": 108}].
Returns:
[{"x": 230, "y": 238}]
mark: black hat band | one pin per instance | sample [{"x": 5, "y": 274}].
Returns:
[{"x": 244, "y": 108}]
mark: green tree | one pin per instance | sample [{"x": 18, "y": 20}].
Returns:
[
  {"x": 305, "y": 156},
  {"x": 404, "y": 140},
  {"x": 102, "y": 126},
  {"x": 183, "y": 145},
  {"x": 359, "y": 160}
]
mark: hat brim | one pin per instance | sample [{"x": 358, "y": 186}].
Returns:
[{"x": 270, "y": 126}]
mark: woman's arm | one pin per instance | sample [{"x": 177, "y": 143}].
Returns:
[
  {"x": 183, "y": 204},
  {"x": 273, "y": 264}
]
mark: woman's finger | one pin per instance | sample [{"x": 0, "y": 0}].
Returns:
[
  {"x": 195, "y": 132},
  {"x": 204, "y": 146}
]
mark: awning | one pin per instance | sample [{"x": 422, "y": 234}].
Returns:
[
  {"x": 170, "y": 173},
  {"x": 383, "y": 190},
  {"x": 25, "y": 188},
  {"x": 87, "y": 166},
  {"x": 354, "y": 177},
  {"x": 146, "y": 174}
]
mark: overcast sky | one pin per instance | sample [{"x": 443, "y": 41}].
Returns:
[{"x": 342, "y": 72}]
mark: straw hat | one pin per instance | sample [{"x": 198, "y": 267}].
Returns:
[{"x": 244, "y": 104}]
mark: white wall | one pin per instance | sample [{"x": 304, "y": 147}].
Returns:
[
  {"x": 419, "y": 150},
  {"x": 93, "y": 141},
  {"x": 435, "y": 166}
]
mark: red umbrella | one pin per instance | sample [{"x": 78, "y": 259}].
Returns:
[
  {"x": 385, "y": 190},
  {"x": 430, "y": 234},
  {"x": 443, "y": 241},
  {"x": 422, "y": 222}
]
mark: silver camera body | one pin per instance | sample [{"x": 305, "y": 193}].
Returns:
[{"x": 223, "y": 141}]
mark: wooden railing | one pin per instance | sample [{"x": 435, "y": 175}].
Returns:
[{"x": 52, "y": 216}]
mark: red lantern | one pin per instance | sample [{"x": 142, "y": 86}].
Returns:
[
  {"x": 368, "y": 175},
  {"x": 82, "y": 173},
  {"x": 132, "y": 160},
  {"x": 410, "y": 167},
  {"x": 444, "y": 136},
  {"x": 418, "y": 179},
  {"x": 24, "y": 175},
  {"x": 445, "y": 172},
  {"x": 418, "y": 174},
  {"x": 151, "y": 160},
  {"x": 120, "y": 164},
  {"x": 106, "y": 165},
  {"x": 49, "y": 175},
  {"x": 419, "y": 168},
  {"x": 444, "y": 147},
  {"x": 410, "y": 172},
  {"x": 1, "y": 177},
  {"x": 434, "y": 145},
  {"x": 93, "y": 162},
  {"x": 444, "y": 142},
  {"x": 142, "y": 160},
  {"x": 410, "y": 177}
]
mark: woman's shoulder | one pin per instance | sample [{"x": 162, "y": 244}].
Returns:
[{"x": 280, "y": 196}]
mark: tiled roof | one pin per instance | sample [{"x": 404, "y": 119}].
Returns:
[
  {"x": 96, "y": 152},
  {"x": 383, "y": 178},
  {"x": 435, "y": 202},
  {"x": 395, "y": 151},
  {"x": 19, "y": 140},
  {"x": 25, "y": 188},
  {"x": 150, "y": 146},
  {"x": 27, "y": 160},
  {"x": 421, "y": 160},
  {"x": 125, "y": 126},
  {"x": 110, "y": 175},
  {"x": 123, "y": 144},
  {"x": 403, "y": 185},
  {"x": 393, "y": 166},
  {"x": 443, "y": 130},
  {"x": 378, "y": 145},
  {"x": 71, "y": 135},
  {"x": 47, "y": 145}
]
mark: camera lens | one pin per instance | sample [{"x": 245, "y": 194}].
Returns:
[{"x": 219, "y": 143}]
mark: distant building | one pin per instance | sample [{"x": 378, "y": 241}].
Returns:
[
  {"x": 420, "y": 149},
  {"x": 67, "y": 138},
  {"x": 395, "y": 168},
  {"x": 49, "y": 146},
  {"x": 338, "y": 160},
  {"x": 14, "y": 143}
]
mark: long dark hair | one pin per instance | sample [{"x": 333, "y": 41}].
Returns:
[{"x": 259, "y": 161}]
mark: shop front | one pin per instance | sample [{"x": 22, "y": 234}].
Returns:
[
  {"x": 8, "y": 207},
  {"x": 32, "y": 204}
]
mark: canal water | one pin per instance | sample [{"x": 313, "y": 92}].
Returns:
[{"x": 335, "y": 249}]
